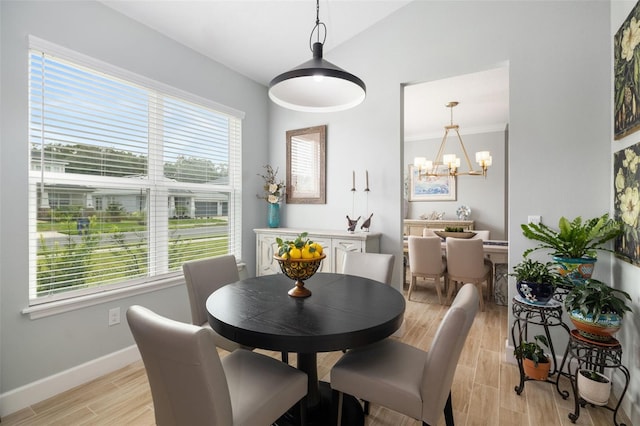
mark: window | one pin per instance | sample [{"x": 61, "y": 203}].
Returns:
[{"x": 128, "y": 178}]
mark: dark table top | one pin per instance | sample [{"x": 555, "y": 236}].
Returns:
[{"x": 343, "y": 312}]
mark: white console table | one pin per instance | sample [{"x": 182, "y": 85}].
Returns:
[{"x": 334, "y": 243}]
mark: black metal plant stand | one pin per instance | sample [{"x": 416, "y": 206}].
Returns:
[
  {"x": 549, "y": 315},
  {"x": 596, "y": 356}
]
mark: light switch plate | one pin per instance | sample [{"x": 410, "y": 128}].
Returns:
[{"x": 534, "y": 219}]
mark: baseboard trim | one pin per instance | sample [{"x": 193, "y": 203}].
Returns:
[{"x": 24, "y": 396}]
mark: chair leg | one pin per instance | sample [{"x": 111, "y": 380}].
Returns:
[
  {"x": 411, "y": 284},
  {"x": 303, "y": 411},
  {"x": 366, "y": 408},
  {"x": 285, "y": 357},
  {"x": 481, "y": 298},
  {"x": 437, "y": 283},
  {"x": 448, "y": 411},
  {"x": 340, "y": 398},
  {"x": 452, "y": 286}
]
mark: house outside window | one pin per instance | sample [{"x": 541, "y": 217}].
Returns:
[{"x": 128, "y": 178}]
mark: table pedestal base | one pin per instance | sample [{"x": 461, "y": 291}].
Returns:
[{"x": 325, "y": 413}]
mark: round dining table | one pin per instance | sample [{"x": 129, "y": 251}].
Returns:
[{"x": 343, "y": 312}]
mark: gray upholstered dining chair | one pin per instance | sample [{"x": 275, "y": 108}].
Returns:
[
  {"x": 203, "y": 277},
  {"x": 466, "y": 264},
  {"x": 404, "y": 378},
  {"x": 191, "y": 385},
  {"x": 426, "y": 261},
  {"x": 375, "y": 266}
]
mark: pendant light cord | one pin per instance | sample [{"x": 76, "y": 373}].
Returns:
[{"x": 317, "y": 27}]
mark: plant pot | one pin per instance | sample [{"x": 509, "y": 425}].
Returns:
[
  {"x": 599, "y": 331},
  {"x": 577, "y": 270},
  {"x": 595, "y": 391},
  {"x": 535, "y": 293},
  {"x": 541, "y": 372}
]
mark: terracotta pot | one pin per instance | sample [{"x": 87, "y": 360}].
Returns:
[
  {"x": 594, "y": 391},
  {"x": 541, "y": 372},
  {"x": 600, "y": 331}
]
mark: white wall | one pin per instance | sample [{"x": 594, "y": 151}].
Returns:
[
  {"x": 33, "y": 350},
  {"x": 486, "y": 197},
  {"x": 559, "y": 81},
  {"x": 559, "y": 161}
]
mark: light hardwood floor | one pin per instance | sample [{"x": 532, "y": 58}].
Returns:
[{"x": 483, "y": 388}]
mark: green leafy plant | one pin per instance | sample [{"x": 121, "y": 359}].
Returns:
[
  {"x": 592, "y": 375},
  {"x": 533, "y": 350},
  {"x": 453, "y": 229},
  {"x": 536, "y": 272},
  {"x": 575, "y": 239},
  {"x": 595, "y": 297}
]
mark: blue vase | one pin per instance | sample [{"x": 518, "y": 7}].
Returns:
[{"x": 273, "y": 215}]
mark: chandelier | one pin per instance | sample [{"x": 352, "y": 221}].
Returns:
[
  {"x": 317, "y": 85},
  {"x": 450, "y": 161}
]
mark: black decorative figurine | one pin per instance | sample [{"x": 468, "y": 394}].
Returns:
[
  {"x": 365, "y": 225},
  {"x": 352, "y": 223}
]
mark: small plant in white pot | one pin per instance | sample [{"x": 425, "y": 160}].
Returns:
[{"x": 594, "y": 387}]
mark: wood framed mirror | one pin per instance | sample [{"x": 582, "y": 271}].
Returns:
[{"x": 306, "y": 165}]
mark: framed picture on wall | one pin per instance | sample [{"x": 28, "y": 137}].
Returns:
[
  {"x": 431, "y": 188},
  {"x": 306, "y": 164},
  {"x": 626, "y": 66},
  {"x": 626, "y": 180}
]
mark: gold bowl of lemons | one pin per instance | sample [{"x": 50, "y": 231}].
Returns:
[{"x": 299, "y": 260}]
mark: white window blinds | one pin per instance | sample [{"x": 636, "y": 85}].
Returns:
[{"x": 128, "y": 178}]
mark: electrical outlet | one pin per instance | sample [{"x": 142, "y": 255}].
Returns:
[
  {"x": 114, "y": 316},
  {"x": 534, "y": 219}
]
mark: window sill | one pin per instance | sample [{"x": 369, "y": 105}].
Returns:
[{"x": 61, "y": 306}]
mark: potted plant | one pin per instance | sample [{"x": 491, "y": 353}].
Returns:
[
  {"x": 596, "y": 309},
  {"x": 535, "y": 281},
  {"x": 575, "y": 244},
  {"x": 594, "y": 387},
  {"x": 535, "y": 362}
]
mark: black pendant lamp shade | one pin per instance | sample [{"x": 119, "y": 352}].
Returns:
[{"x": 317, "y": 85}]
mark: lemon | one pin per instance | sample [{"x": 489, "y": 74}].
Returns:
[
  {"x": 295, "y": 253},
  {"x": 306, "y": 252},
  {"x": 316, "y": 254},
  {"x": 318, "y": 248},
  {"x": 285, "y": 256}
]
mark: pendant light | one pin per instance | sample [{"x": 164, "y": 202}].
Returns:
[{"x": 317, "y": 85}]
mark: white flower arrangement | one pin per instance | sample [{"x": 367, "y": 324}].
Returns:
[{"x": 274, "y": 189}]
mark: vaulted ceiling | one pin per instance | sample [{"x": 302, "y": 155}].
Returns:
[{"x": 263, "y": 38}]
